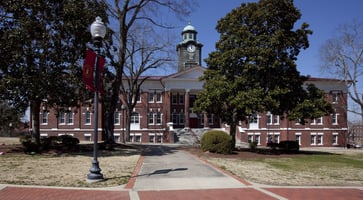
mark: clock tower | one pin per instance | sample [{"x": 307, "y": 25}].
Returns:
[{"x": 189, "y": 50}]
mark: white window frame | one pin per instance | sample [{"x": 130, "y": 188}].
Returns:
[
  {"x": 159, "y": 97},
  {"x": 320, "y": 139},
  {"x": 116, "y": 118},
  {"x": 335, "y": 118},
  {"x": 88, "y": 118},
  {"x": 70, "y": 118},
  {"x": 62, "y": 118},
  {"x": 335, "y": 97},
  {"x": 151, "y": 98},
  {"x": 313, "y": 136},
  {"x": 44, "y": 117},
  {"x": 298, "y": 137},
  {"x": 335, "y": 138}
]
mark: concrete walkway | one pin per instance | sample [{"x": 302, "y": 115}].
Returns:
[{"x": 163, "y": 172}]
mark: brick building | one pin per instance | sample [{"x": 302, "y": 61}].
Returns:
[{"x": 166, "y": 105}]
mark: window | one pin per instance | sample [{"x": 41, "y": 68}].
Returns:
[
  {"x": 70, "y": 117},
  {"x": 253, "y": 121},
  {"x": 334, "y": 97},
  {"x": 275, "y": 119},
  {"x": 158, "y": 118},
  {"x": 158, "y": 97},
  {"x": 175, "y": 117},
  {"x": 181, "y": 118},
  {"x": 335, "y": 138},
  {"x": 313, "y": 139},
  {"x": 277, "y": 138},
  {"x": 116, "y": 118},
  {"x": 335, "y": 118},
  {"x": 88, "y": 117},
  {"x": 151, "y": 97},
  {"x": 258, "y": 139},
  {"x": 137, "y": 138},
  {"x": 320, "y": 139},
  {"x": 151, "y": 138},
  {"x": 269, "y": 119},
  {"x": 174, "y": 99},
  {"x": 44, "y": 117},
  {"x": 159, "y": 138},
  {"x": 210, "y": 119},
  {"x": 135, "y": 118},
  {"x": 298, "y": 138},
  {"x": 250, "y": 138},
  {"x": 319, "y": 120},
  {"x": 151, "y": 117},
  {"x": 253, "y": 118},
  {"x": 272, "y": 119},
  {"x": 62, "y": 118},
  {"x": 181, "y": 99}
]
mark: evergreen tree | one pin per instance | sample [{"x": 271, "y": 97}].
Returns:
[
  {"x": 253, "y": 68},
  {"x": 42, "y": 47}
]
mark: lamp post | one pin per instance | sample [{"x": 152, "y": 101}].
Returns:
[
  {"x": 123, "y": 123},
  {"x": 98, "y": 32}
]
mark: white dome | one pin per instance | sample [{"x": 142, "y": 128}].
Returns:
[{"x": 189, "y": 28}]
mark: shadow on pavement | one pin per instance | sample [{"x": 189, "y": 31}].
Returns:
[{"x": 162, "y": 171}]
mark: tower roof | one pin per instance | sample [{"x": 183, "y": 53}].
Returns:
[{"x": 189, "y": 28}]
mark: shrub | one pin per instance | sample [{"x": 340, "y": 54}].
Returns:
[
  {"x": 253, "y": 146},
  {"x": 28, "y": 144},
  {"x": 68, "y": 140},
  {"x": 217, "y": 142},
  {"x": 289, "y": 146}
]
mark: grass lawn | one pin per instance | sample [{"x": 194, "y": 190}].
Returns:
[{"x": 318, "y": 168}]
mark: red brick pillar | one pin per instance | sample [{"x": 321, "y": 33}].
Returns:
[{"x": 186, "y": 108}]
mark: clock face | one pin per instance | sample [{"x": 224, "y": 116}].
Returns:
[{"x": 191, "y": 48}]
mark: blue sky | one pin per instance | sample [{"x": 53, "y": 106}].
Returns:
[{"x": 323, "y": 16}]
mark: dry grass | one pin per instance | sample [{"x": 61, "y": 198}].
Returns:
[
  {"x": 117, "y": 167},
  {"x": 67, "y": 169},
  {"x": 326, "y": 169}
]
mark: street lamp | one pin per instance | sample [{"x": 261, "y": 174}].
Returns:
[
  {"x": 123, "y": 123},
  {"x": 98, "y": 32}
]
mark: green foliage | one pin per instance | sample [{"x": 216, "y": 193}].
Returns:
[
  {"x": 253, "y": 146},
  {"x": 42, "y": 44},
  {"x": 217, "y": 142},
  {"x": 253, "y": 68},
  {"x": 9, "y": 115},
  {"x": 29, "y": 146},
  {"x": 313, "y": 106}
]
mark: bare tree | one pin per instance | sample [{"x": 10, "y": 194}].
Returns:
[
  {"x": 128, "y": 19},
  {"x": 143, "y": 55},
  {"x": 343, "y": 58}
]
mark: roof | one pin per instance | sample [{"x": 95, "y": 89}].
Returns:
[{"x": 189, "y": 28}]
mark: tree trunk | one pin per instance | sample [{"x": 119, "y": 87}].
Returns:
[
  {"x": 109, "y": 127},
  {"x": 232, "y": 133},
  {"x": 128, "y": 125},
  {"x": 35, "y": 108}
]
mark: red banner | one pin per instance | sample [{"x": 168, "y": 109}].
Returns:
[
  {"x": 101, "y": 64},
  {"x": 88, "y": 67}
]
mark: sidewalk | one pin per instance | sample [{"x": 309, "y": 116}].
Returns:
[{"x": 163, "y": 172}]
